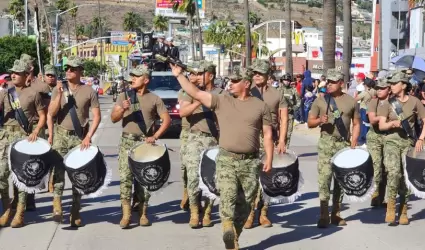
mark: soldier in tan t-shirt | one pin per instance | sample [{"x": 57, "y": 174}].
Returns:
[
  {"x": 241, "y": 118},
  {"x": 66, "y": 137},
  {"x": 203, "y": 134},
  {"x": 331, "y": 141},
  {"x": 400, "y": 138},
  {"x": 279, "y": 112},
  {"x": 34, "y": 110},
  {"x": 140, "y": 103}
]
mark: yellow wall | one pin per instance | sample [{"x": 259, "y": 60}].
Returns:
[{"x": 85, "y": 50}]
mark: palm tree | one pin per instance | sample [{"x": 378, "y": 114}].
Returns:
[
  {"x": 17, "y": 10},
  {"x": 329, "y": 34},
  {"x": 347, "y": 40},
  {"x": 160, "y": 23},
  {"x": 133, "y": 22},
  {"x": 187, "y": 7},
  {"x": 63, "y": 5},
  {"x": 288, "y": 38},
  {"x": 254, "y": 19}
]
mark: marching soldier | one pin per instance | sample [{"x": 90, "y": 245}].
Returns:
[
  {"x": 241, "y": 117},
  {"x": 375, "y": 142},
  {"x": 333, "y": 113},
  {"x": 398, "y": 116},
  {"x": 294, "y": 102},
  {"x": 66, "y": 98},
  {"x": 184, "y": 134},
  {"x": 203, "y": 134},
  {"x": 31, "y": 104},
  {"x": 140, "y": 100},
  {"x": 278, "y": 109}
]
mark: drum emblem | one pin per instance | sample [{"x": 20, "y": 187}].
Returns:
[
  {"x": 33, "y": 167},
  {"x": 355, "y": 180},
  {"x": 152, "y": 172},
  {"x": 282, "y": 179},
  {"x": 82, "y": 178}
]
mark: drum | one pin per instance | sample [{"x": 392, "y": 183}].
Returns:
[
  {"x": 207, "y": 182},
  {"x": 353, "y": 170},
  {"x": 150, "y": 165},
  {"x": 283, "y": 183},
  {"x": 414, "y": 172},
  {"x": 87, "y": 171},
  {"x": 30, "y": 163}
]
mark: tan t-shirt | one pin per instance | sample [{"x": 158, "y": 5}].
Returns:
[
  {"x": 346, "y": 106},
  {"x": 366, "y": 97},
  {"x": 185, "y": 123},
  {"x": 410, "y": 107},
  {"x": 198, "y": 119},
  {"x": 240, "y": 122},
  {"x": 30, "y": 102},
  {"x": 372, "y": 107},
  {"x": 274, "y": 100},
  {"x": 150, "y": 105},
  {"x": 85, "y": 98}
]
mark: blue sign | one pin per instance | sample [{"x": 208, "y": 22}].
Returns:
[{"x": 212, "y": 52}]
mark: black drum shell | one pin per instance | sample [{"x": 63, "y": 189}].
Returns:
[
  {"x": 20, "y": 164},
  {"x": 208, "y": 173},
  {"x": 162, "y": 166},
  {"x": 415, "y": 169},
  {"x": 95, "y": 171},
  {"x": 269, "y": 180},
  {"x": 364, "y": 171}
]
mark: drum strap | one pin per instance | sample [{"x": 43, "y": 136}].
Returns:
[
  {"x": 70, "y": 100},
  {"x": 255, "y": 92},
  {"x": 339, "y": 123},
  {"x": 396, "y": 106},
  {"x": 136, "y": 114},
  {"x": 19, "y": 113},
  {"x": 209, "y": 118}
]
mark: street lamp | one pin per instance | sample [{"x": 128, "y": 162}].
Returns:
[
  {"x": 247, "y": 35},
  {"x": 57, "y": 30}
]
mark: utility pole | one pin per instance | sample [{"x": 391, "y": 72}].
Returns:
[
  {"x": 247, "y": 35},
  {"x": 26, "y": 17},
  {"x": 198, "y": 18},
  {"x": 100, "y": 34}
]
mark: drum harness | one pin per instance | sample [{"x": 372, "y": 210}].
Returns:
[
  {"x": 396, "y": 106},
  {"x": 70, "y": 100},
  {"x": 16, "y": 107},
  {"x": 331, "y": 104}
]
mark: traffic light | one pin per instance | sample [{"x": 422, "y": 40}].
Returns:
[
  {"x": 305, "y": 47},
  {"x": 222, "y": 49}
]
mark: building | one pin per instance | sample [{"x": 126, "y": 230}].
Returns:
[{"x": 5, "y": 27}]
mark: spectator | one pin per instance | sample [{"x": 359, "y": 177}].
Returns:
[{"x": 364, "y": 97}]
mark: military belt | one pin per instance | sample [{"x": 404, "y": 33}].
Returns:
[
  {"x": 132, "y": 136},
  {"x": 334, "y": 137},
  {"x": 71, "y": 132},
  {"x": 239, "y": 156},
  {"x": 12, "y": 128},
  {"x": 201, "y": 133}
]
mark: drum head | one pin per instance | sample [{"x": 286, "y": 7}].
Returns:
[
  {"x": 38, "y": 147},
  {"x": 146, "y": 152},
  {"x": 283, "y": 160},
  {"x": 350, "y": 158},
  {"x": 77, "y": 158},
  {"x": 212, "y": 153}
]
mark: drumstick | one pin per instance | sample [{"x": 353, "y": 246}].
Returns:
[{"x": 328, "y": 106}]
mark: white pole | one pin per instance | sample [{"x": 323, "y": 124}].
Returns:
[{"x": 26, "y": 17}]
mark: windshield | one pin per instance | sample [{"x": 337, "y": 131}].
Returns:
[{"x": 164, "y": 83}]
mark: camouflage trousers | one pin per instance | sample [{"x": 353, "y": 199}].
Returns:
[
  {"x": 237, "y": 182},
  {"x": 328, "y": 146},
  {"x": 396, "y": 148},
  {"x": 63, "y": 142},
  {"x": 184, "y": 134},
  {"x": 8, "y": 135},
  {"x": 126, "y": 176},
  {"x": 290, "y": 129},
  {"x": 375, "y": 146},
  {"x": 197, "y": 142}
]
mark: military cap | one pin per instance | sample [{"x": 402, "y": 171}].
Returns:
[
  {"x": 261, "y": 66},
  {"x": 28, "y": 58},
  {"x": 382, "y": 83},
  {"x": 20, "y": 66},
  {"x": 398, "y": 76},
  {"x": 139, "y": 70},
  {"x": 49, "y": 70},
  {"x": 241, "y": 74},
  {"x": 203, "y": 66},
  {"x": 334, "y": 75},
  {"x": 75, "y": 61}
]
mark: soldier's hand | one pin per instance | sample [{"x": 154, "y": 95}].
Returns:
[
  {"x": 33, "y": 136},
  {"x": 50, "y": 140},
  {"x": 150, "y": 140},
  {"x": 85, "y": 144},
  {"x": 267, "y": 167},
  {"x": 126, "y": 104},
  {"x": 396, "y": 124},
  {"x": 324, "y": 119},
  {"x": 281, "y": 148},
  {"x": 419, "y": 145},
  {"x": 59, "y": 86},
  {"x": 177, "y": 70}
]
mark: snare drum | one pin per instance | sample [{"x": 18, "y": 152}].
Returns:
[
  {"x": 414, "y": 172},
  {"x": 283, "y": 183},
  {"x": 353, "y": 169},
  {"x": 207, "y": 173},
  {"x": 87, "y": 170},
  {"x": 30, "y": 163},
  {"x": 150, "y": 165}
]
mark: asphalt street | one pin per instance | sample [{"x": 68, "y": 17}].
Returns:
[{"x": 294, "y": 224}]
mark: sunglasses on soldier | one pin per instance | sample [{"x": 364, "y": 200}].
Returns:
[{"x": 72, "y": 69}]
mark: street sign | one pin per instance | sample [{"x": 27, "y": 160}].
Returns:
[{"x": 212, "y": 52}]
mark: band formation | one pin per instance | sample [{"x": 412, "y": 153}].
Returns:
[{"x": 234, "y": 145}]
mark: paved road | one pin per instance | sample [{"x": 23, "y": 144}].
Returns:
[{"x": 294, "y": 224}]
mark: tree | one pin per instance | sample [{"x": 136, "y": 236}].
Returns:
[
  {"x": 288, "y": 37},
  {"x": 133, "y": 22},
  {"x": 63, "y": 5},
  {"x": 93, "y": 68},
  {"x": 160, "y": 23},
  {"x": 74, "y": 13},
  {"x": 17, "y": 9},
  {"x": 329, "y": 34},
  {"x": 187, "y": 7},
  {"x": 11, "y": 47},
  {"x": 348, "y": 37},
  {"x": 254, "y": 19}
]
